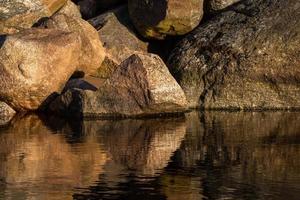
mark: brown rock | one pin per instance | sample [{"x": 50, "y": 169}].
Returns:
[
  {"x": 159, "y": 18},
  {"x": 245, "y": 58},
  {"x": 16, "y": 15},
  {"x": 70, "y": 9},
  {"x": 35, "y": 64},
  {"x": 141, "y": 85},
  {"x": 6, "y": 113},
  {"x": 92, "y": 53},
  {"x": 117, "y": 34}
]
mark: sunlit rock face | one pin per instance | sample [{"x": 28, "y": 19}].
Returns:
[
  {"x": 92, "y": 53},
  {"x": 159, "y": 18},
  {"x": 35, "y": 64},
  {"x": 16, "y": 15},
  {"x": 36, "y": 163}
]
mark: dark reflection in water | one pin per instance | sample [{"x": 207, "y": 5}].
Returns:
[{"x": 212, "y": 155}]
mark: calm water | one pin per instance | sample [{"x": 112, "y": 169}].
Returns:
[{"x": 213, "y": 155}]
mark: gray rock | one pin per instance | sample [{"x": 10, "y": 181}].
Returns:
[
  {"x": 141, "y": 85},
  {"x": 245, "y": 58}
]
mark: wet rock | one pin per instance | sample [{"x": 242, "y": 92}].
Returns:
[
  {"x": 6, "y": 113},
  {"x": 90, "y": 8},
  {"x": 244, "y": 58},
  {"x": 92, "y": 52},
  {"x": 35, "y": 64},
  {"x": 159, "y": 18},
  {"x": 141, "y": 85},
  {"x": 215, "y": 5},
  {"x": 16, "y": 15},
  {"x": 117, "y": 34}
]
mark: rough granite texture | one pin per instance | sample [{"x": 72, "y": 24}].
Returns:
[
  {"x": 245, "y": 58},
  {"x": 141, "y": 85},
  {"x": 35, "y": 64}
]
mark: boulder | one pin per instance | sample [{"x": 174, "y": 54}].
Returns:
[
  {"x": 141, "y": 85},
  {"x": 216, "y": 5},
  {"x": 16, "y": 15},
  {"x": 92, "y": 52},
  {"x": 35, "y": 64},
  {"x": 245, "y": 58},
  {"x": 6, "y": 113},
  {"x": 159, "y": 18},
  {"x": 90, "y": 8},
  {"x": 70, "y": 9},
  {"x": 117, "y": 34}
]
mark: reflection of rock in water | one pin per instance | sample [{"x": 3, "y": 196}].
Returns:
[
  {"x": 142, "y": 145},
  {"x": 243, "y": 147},
  {"x": 36, "y": 163}
]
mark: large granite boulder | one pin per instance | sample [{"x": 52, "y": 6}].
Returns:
[
  {"x": 35, "y": 64},
  {"x": 16, "y": 15},
  {"x": 247, "y": 57},
  {"x": 215, "y": 5},
  {"x": 141, "y": 85},
  {"x": 92, "y": 52},
  {"x": 6, "y": 113},
  {"x": 159, "y": 18}
]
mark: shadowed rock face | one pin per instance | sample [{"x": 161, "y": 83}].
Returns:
[
  {"x": 247, "y": 57},
  {"x": 34, "y": 64},
  {"x": 141, "y": 85},
  {"x": 16, "y": 15},
  {"x": 158, "y": 18}
]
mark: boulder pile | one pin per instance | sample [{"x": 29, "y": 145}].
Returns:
[{"x": 95, "y": 58}]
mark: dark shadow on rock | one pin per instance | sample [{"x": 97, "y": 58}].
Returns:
[{"x": 2, "y": 40}]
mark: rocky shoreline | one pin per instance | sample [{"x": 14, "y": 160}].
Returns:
[{"x": 113, "y": 58}]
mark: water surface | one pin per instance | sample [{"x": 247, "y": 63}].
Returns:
[{"x": 211, "y": 155}]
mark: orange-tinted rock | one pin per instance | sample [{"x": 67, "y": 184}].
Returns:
[{"x": 35, "y": 64}]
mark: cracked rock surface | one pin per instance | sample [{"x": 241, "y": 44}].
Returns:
[{"x": 246, "y": 57}]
